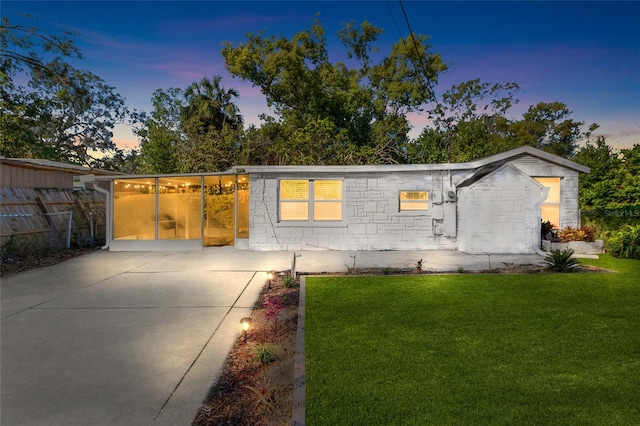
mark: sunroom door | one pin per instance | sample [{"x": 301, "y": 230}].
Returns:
[{"x": 219, "y": 210}]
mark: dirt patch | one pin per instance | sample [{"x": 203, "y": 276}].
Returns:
[{"x": 12, "y": 266}]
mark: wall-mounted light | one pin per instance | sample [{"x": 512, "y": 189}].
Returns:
[{"x": 245, "y": 323}]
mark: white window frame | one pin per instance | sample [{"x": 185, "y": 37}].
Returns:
[
  {"x": 311, "y": 204},
  {"x": 557, "y": 204},
  {"x": 413, "y": 211}
]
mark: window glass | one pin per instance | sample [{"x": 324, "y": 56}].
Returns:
[
  {"x": 550, "y": 208},
  {"x": 414, "y": 200},
  {"x": 554, "y": 189},
  {"x": 294, "y": 189},
  {"x": 179, "y": 208},
  {"x": 327, "y": 190},
  {"x": 311, "y": 200},
  {"x": 134, "y": 209}
]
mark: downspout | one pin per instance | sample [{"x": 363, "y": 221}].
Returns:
[{"x": 538, "y": 228}]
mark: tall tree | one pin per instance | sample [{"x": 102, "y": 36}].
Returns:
[
  {"x": 160, "y": 132},
  {"x": 343, "y": 100},
  {"x": 547, "y": 126},
  {"x": 470, "y": 121},
  {"x": 210, "y": 106},
  {"x": 62, "y": 113}
]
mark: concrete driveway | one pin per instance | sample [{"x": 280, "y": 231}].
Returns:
[
  {"x": 119, "y": 338},
  {"x": 129, "y": 338}
]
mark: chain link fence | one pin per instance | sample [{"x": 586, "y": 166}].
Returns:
[{"x": 26, "y": 235}]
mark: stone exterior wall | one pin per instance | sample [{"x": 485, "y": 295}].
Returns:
[
  {"x": 371, "y": 216},
  {"x": 569, "y": 210},
  {"x": 497, "y": 214},
  {"x": 500, "y": 213}
]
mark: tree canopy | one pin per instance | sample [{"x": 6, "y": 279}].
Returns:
[
  {"x": 62, "y": 113},
  {"x": 350, "y": 111}
]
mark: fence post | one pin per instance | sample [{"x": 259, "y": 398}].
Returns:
[
  {"x": 69, "y": 228},
  {"x": 91, "y": 231}
]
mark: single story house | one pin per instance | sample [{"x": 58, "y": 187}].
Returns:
[{"x": 491, "y": 205}]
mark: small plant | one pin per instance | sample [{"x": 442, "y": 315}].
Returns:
[
  {"x": 386, "y": 270},
  {"x": 265, "y": 353},
  {"x": 562, "y": 261},
  {"x": 264, "y": 393},
  {"x": 419, "y": 265},
  {"x": 288, "y": 281},
  {"x": 272, "y": 309},
  {"x": 461, "y": 270},
  {"x": 546, "y": 231},
  {"x": 585, "y": 233}
]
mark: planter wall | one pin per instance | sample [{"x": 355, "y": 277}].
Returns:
[{"x": 579, "y": 247}]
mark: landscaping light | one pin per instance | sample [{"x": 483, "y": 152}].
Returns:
[
  {"x": 245, "y": 322},
  {"x": 269, "y": 277}
]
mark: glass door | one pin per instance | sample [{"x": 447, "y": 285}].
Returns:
[{"x": 219, "y": 210}]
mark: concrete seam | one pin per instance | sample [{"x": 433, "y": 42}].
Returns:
[{"x": 203, "y": 348}]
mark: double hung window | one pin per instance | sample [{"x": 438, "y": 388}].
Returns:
[{"x": 310, "y": 200}]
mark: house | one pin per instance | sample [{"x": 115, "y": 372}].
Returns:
[{"x": 494, "y": 204}]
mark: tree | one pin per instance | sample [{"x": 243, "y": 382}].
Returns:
[
  {"x": 546, "y": 126},
  {"x": 209, "y": 105},
  {"x": 62, "y": 113},
  {"x": 309, "y": 93},
  {"x": 160, "y": 133},
  {"x": 470, "y": 122}
]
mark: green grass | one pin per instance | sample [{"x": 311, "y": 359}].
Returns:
[{"x": 483, "y": 349}]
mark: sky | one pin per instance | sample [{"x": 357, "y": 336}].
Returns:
[{"x": 585, "y": 54}]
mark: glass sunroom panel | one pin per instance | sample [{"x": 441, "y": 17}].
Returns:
[
  {"x": 134, "y": 209},
  {"x": 179, "y": 208}
]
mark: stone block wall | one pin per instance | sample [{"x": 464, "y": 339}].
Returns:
[
  {"x": 499, "y": 214},
  {"x": 569, "y": 210},
  {"x": 371, "y": 216}
]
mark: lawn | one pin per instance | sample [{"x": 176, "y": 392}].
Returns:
[{"x": 475, "y": 348}]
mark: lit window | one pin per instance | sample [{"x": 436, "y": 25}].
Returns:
[
  {"x": 414, "y": 200},
  {"x": 320, "y": 200},
  {"x": 550, "y": 208}
]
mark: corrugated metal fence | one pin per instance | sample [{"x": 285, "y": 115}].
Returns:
[{"x": 36, "y": 222}]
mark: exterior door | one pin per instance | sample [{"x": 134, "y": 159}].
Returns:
[{"x": 219, "y": 210}]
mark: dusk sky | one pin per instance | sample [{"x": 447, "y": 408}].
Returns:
[{"x": 584, "y": 54}]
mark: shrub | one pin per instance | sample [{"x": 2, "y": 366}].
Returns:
[
  {"x": 265, "y": 353},
  {"x": 625, "y": 243},
  {"x": 288, "y": 281},
  {"x": 546, "y": 230},
  {"x": 585, "y": 233},
  {"x": 562, "y": 261}
]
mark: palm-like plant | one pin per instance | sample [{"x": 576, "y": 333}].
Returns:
[
  {"x": 562, "y": 261},
  {"x": 210, "y": 105}
]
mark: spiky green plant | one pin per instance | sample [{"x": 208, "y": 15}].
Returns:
[{"x": 562, "y": 261}]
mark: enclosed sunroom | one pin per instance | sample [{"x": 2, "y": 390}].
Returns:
[{"x": 179, "y": 212}]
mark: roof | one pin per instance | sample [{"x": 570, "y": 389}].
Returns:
[
  {"x": 486, "y": 164},
  {"x": 34, "y": 163},
  {"x": 493, "y": 160}
]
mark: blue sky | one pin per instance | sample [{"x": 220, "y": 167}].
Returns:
[{"x": 584, "y": 54}]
